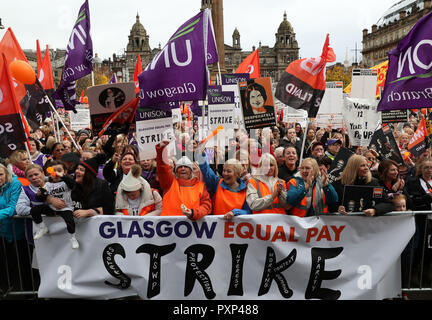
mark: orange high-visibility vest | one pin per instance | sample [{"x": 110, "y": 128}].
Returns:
[
  {"x": 226, "y": 200},
  {"x": 301, "y": 209},
  {"x": 177, "y": 195},
  {"x": 143, "y": 211},
  {"x": 262, "y": 191}
]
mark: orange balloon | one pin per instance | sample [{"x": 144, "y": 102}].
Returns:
[
  {"x": 423, "y": 111},
  {"x": 85, "y": 100},
  {"x": 22, "y": 72}
]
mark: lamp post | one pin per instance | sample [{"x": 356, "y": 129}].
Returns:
[{"x": 1, "y": 26}]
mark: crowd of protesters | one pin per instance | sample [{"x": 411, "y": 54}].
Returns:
[{"x": 278, "y": 170}]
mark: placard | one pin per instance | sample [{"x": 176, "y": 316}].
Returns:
[
  {"x": 394, "y": 116},
  {"x": 152, "y": 126},
  {"x": 339, "y": 164},
  {"x": 257, "y": 103},
  {"x": 364, "y": 83},
  {"x": 361, "y": 118},
  {"x": 332, "y": 102},
  {"x": 80, "y": 119},
  {"x": 108, "y": 98},
  {"x": 361, "y": 197}
]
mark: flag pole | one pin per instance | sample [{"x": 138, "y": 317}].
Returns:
[
  {"x": 304, "y": 140},
  {"x": 58, "y": 129},
  {"x": 28, "y": 152},
  {"x": 52, "y": 117},
  {"x": 220, "y": 76},
  {"x": 67, "y": 130}
]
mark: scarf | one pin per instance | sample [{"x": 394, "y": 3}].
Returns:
[{"x": 318, "y": 205}]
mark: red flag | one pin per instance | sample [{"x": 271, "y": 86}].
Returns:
[
  {"x": 45, "y": 74},
  {"x": 303, "y": 84},
  {"x": 138, "y": 71},
  {"x": 81, "y": 99},
  {"x": 251, "y": 65},
  {"x": 15, "y": 129},
  {"x": 126, "y": 114},
  {"x": 38, "y": 58},
  {"x": 418, "y": 145},
  {"x": 12, "y": 50}
]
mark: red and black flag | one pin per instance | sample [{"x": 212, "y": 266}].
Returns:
[
  {"x": 14, "y": 132},
  {"x": 28, "y": 95},
  {"x": 302, "y": 85},
  {"x": 121, "y": 118}
]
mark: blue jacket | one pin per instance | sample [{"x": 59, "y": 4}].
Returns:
[
  {"x": 296, "y": 194},
  {"x": 212, "y": 181},
  {"x": 10, "y": 228}
]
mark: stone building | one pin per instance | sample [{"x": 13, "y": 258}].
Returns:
[
  {"x": 393, "y": 26},
  {"x": 273, "y": 60},
  {"x": 57, "y": 57}
]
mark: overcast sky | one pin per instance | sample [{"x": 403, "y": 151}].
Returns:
[{"x": 257, "y": 20}]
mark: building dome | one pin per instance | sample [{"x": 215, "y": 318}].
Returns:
[
  {"x": 392, "y": 13},
  {"x": 285, "y": 26},
  {"x": 138, "y": 28}
]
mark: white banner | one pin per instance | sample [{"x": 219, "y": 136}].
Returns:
[
  {"x": 298, "y": 117},
  {"x": 335, "y": 120},
  {"x": 266, "y": 257},
  {"x": 361, "y": 118}
]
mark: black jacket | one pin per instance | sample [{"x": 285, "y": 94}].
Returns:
[
  {"x": 100, "y": 196},
  {"x": 391, "y": 193},
  {"x": 418, "y": 196},
  {"x": 114, "y": 177}
]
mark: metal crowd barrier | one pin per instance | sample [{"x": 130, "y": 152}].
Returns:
[{"x": 18, "y": 280}]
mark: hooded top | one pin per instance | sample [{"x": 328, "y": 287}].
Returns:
[{"x": 132, "y": 182}]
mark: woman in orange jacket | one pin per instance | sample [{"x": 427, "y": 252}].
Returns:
[{"x": 184, "y": 194}]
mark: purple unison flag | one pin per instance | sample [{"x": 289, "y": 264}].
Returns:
[
  {"x": 409, "y": 75},
  {"x": 79, "y": 59},
  {"x": 179, "y": 71},
  {"x": 113, "y": 79}
]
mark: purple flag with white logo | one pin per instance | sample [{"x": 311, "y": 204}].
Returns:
[
  {"x": 409, "y": 75},
  {"x": 179, "y": 71},
  {"x": 113, "y": 79},
  {"x": 79, "y": 59}
]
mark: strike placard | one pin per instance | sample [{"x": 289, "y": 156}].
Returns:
[{"x": 152, "y": 126}]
